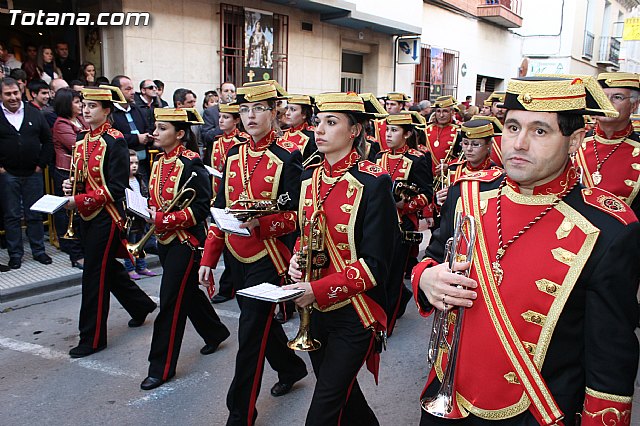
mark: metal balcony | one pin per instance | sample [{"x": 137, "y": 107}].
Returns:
[
  {"x": 587, "y": 47},
  {"x": 505, "y": 13},
  {"x": 609, "y": 52}
]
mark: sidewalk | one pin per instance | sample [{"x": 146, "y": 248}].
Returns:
[{"x": 35, "y": 278}]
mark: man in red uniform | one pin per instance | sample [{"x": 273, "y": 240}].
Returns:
[
  {"x": 394, "y": 102},
  {"x": 494, "y": 101},
  {"x": 550, "y": 310},
  {"x": 442, "y": 134},
  {"x": 609, "y": 154}
]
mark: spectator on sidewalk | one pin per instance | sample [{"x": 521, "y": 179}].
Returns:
[
  {"x": 69, "y": 122},
  {"x": 138, "y": 227},
  {"x": 8, "y": 59},
  {"x": 131, "y": 122},
  {"x": 49, "y": 110},
  {"x": 147, "y": 100},
  {"x": 21, "y": 77},
  {"x": 87, "y": 74},
  {"x": 25, "y": 150},
  {"x": 47, "y": 65},
  {"x": 68, "y": 66},
  {"x": 185, "y": 98},
  {"x": 40, "y": 94},
  {"x": 211, "y": 116},
  {"x": 160, "y": 85}
]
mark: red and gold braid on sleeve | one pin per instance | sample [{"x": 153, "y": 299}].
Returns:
[
  {"x": 213, "y": 246},
  {"x": 92, "y": 201},
  {"x": 276, "y": 225},
  {"x": 172, "y": 221},
  {"x": 416, "y": 203},
  {"x": 339, "y": 286},
  {"x": 416, "y": 273},
  {"x": 606, "y": 409}
]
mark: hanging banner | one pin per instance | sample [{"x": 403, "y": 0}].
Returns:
[
  {"x": 631, "y": 29},
  {"x": 258, "y": 42},
  {"x": 437, "y": 71}
]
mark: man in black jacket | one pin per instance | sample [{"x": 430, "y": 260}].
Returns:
[
  {"x": 132, "y": 123},
  {"x": 25, "y": 150}
]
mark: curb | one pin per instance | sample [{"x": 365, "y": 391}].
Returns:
[{"x": 53, "y": 284}]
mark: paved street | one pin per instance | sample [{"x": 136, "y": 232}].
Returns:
[{"x": 40, "y": 384}]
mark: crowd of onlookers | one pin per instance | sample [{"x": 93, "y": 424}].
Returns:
[{"x": 42, "y": 116}]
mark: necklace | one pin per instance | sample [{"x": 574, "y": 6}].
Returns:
[
  {"x": 400, "y": 161},
  {"x": 495, "y": 266},
  {"x": 247, "y": 173},
  {"x": 163, "y": 179},
  {"x": 333, "y": 185},
  {"x": 597, "y": 176}
]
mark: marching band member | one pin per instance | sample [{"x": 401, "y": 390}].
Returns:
[
  {"x": 349, "y": 300},
  {"x": 476, "y": 140},
  {"x": 394, "y": 102},
  {"x": 102, "y": 167},
  {"x": 298, "y": 117},
  {"x": 180, "y": 230},
  {"x": 548, "y": 330},
  {"x": 264, "y": 168},
  {"x": 217, "y": 157},
  {"x": 406, "y": 166},
  {"x": 442, "y": 133},
  {"x": 494, "y": 101},
  {"x": 608, "y": 157}
]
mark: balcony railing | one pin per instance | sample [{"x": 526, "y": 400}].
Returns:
[
  {"x": 587, "y": 48},
  {"x": 609, "y": 51},
  {"x": 505, "y": 13},
  {"x": 513, "y": 5}
]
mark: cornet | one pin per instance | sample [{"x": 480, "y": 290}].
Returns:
[
  {"x": 245, "y": 209},
  {"x": 312, "y": 258},
  {"x": 459, "y": 248},
  {"x": 73, "y": 173},
  {"x": 189, "y": 194}
]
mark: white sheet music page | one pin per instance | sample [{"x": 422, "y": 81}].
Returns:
[
  {"x": 228, "y": 223},
  {"x": 213, "y": 172},
  {"x": 49, "y": 204},
  {"x": 136, "y": 203},
  {"x": 270, "y": 293}
]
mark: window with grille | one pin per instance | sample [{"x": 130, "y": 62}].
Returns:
[
  {"x": 423, "y": 88},
  {"x": 352, "y": 70},
  {"x": 232, "y": 49}
]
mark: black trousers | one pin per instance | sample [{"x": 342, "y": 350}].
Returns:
[
  {"x": 180, "y": 298},
  {"x": 396, "y": 288},
  {"x": 258, "y": 337},
  {"x": 103, "y": 274},
  {"x": 61, "y": 219},
  {"x": 337, "y": 397},
  {"x": 226, "y": 279}
]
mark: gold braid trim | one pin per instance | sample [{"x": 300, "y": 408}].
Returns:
[
  {"x": 561, "y": 95},
  {"x": 609, "y": 397}
]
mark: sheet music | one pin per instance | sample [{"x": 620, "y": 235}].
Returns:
[
  {"x": 49, "y": 204},
  {"x": 228, "y": 223},
  {"x": 136, "y": 203},
  {"x": 270, "y": 293},
  {"x": 214, "y": 172}
]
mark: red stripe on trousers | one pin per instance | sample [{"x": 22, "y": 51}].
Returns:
[
  {"x": 103, "y": 271},
  {"x": 354, "y": 380},
  {"x": 259, "y": 367},
  {"x": 176, "y": 313}
]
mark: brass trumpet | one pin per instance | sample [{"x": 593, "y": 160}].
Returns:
[
  {"x": 73, "y": 174},
  {"x": 459, "y": 248},
  {"x": 311, "y": 259},
  {"x": 441, "y": 181},
  {"x": 245, "y": 209},
  {"x": 137, "y": 249}
]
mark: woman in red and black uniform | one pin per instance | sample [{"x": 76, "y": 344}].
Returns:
[
  {"x": 102, "y": 169},
  {"x": 349, "y": 300},
  {"x": 264, "y": 168},
  {"x": 407, "y": 166},
  {"x": 476, "y": 139},
  {"x": 179, "y": 232},
  {"x": 217, "y": 157},
  {"x": 298, "y": 119}
]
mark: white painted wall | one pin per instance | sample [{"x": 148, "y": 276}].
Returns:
[{"x": 486, "y": 49}]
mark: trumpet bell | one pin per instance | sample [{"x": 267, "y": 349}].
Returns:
[
  {"x": 440, "y": 405},
  {"x": 136, "y": 249},
  {"x": 303, "y": 341},
  {"x": 69, "y": 235}
]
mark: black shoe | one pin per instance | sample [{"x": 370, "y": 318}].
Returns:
[
  {"x": 282, "y": 388},
  {"x": 4, "y": 268},
  {"x": 137, "y": 322},
  {"x": 81, "y": 351},
  {"x": 43, "y": 258},
  {"x": 151, "y": 383},
  {"x": 15, "y": 263},
  {"x": 77, "y": 264},
  {"x": 210, "y": 348},
  {"x": 219, "y": 298}
]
